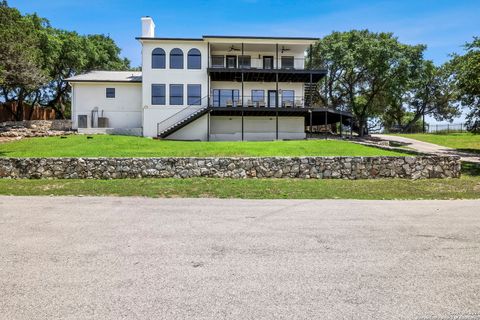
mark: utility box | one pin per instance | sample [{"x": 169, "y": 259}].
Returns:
[
  {"x": 82, "y": 121},
  {"x": 102, "y": 122}
]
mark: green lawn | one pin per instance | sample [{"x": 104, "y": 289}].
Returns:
[
  {"x": 467, "y": 187},
  {"x": 466, "y": 142},
  {"x": 123, "y": 146}
]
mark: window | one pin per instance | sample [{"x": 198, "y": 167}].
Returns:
[
  {"x": 258, "y": 96},
  {"x": 158, "y": 94},
  {"x": 194, "y": 94},
  {"x": 225, "y": 97},
  {"x": 217, "y": 62},
  {"x": 244, "y": 62},
  {"x": 287, "y": 63},
  {"x": 176, "y": 94},
  {"x": 194, "y": 59},
  {"x": 176, "y": 59},
  {"x": 158, "y": 58},
  {"x": 110, "y": 93},
  {"x": 288, "y": 97}
]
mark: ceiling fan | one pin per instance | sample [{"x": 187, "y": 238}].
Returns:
[
  {"x": 232, "y": 48},
  {"x": 285, "y": 49}
]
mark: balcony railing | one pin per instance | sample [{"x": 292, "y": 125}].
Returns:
[
  {"x": 265, "y": 63},
  {"x": 257, "y": 102}
]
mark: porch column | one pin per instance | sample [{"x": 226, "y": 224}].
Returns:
[
  {"x": 311, "y": 122},
  {"x": 242, "y": 127},
  {"x": 243, "y": 98},
  {"x": 208, "y": 76},
  {"x": 276, "y": 89},
  {"x": 341, "y": 124},
  {"x": 311, "y": 91},
  {"x": 276, "y": 125},
  {"x": 208, "y": 126},
  {"x": 276, "y": 56},
  {"x": 326, "y": 123}
]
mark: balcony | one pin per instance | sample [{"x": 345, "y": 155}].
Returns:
[
  {"x": 234, "y": 100},
  {"x": 264, "y": 69}
]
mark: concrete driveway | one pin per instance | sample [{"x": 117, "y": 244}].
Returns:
[
  {"x": 136, "y": 258},
  {"x": 431, "y": 148}
]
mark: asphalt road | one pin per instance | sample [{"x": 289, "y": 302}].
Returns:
[{"x": 136, "y": 258}]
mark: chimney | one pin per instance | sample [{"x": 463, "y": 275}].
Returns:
[{"x": 148, "y": 27}]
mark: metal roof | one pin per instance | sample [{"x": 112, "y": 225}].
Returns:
[{"x": 107, "y": 76}]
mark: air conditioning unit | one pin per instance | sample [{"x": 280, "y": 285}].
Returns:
[{"x": 102, "y": 122}]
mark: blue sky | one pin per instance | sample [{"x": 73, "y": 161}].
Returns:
[{"x": 443, "y": 25}]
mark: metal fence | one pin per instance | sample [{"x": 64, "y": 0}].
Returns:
[{"x": 435, "y": 128}]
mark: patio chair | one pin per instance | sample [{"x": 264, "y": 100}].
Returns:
[
  {"x": 249, "y": 103},
  {"x": 298, "y": 104},
  {"x": 229, "y": 103},
  {"x": 261, "y": 104},
  {"x": 288, "y": 104}
]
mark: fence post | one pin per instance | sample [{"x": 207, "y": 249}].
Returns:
[{"x": 448, "y": 128}]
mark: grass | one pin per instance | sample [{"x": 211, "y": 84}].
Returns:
[
  {"x": 123, "y": 146},
  {"x": 466, "y": 142},
  {"x": 467, "y": 187}
]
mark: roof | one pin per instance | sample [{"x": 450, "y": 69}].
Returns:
[
  {"x": 108, "y": 76},
  {"x": 262, "y": 37},
  {"x": 227, "y": 37}
]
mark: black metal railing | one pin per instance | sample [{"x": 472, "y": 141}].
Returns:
[
  {"x": 235, "y": 101},
  {"x": 265, "y": 63}
]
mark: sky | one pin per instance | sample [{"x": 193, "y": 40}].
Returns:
[{"x": 443, "y": 25}]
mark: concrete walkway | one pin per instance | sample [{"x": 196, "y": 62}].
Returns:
[
  {"x": 425, "y": 147},
  {"x": 137, "y": 258}
]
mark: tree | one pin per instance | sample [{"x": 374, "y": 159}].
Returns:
[
  {"x": 35, "y": 58},
  {"x": 431, "y": 93},
  {"x": 466, "y": 72},
  {"x": 362, "y": 69},
  {"x": 20, "y": 57}
]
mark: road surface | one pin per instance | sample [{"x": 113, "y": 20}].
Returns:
[{"x": 137, "y": 258}]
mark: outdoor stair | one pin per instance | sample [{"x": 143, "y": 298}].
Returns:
[{"x": 165, "y": 131}]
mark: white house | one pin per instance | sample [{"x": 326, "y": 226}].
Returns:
[{"x": 210, "y": 88}]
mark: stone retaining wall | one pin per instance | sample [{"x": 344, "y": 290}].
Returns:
[{"x": 268, "y": 167}]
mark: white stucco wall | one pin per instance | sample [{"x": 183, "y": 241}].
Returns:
[
  {"x": 224, "y": 128},
  {"x": 196, "y": 130},
  {"x": 154, "y": 114},
  {"x": 123, "y": 111}
]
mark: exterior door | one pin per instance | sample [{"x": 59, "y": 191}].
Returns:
[
  {"x": 268, "y": 62},
  {"x": 272, "y": 96},
  {"x": 231, "y": 62}
]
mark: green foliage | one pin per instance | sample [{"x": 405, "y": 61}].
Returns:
[
  {"x": 35, "y": 58},
  {"x": 364, "y": 68},
  {"x": 466, "y": 70}
]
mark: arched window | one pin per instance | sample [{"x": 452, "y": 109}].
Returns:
[
  {"x": 158, "y": 58},
  {"x": 176, "y": 59},
  {"x": 194, "y": 59}
]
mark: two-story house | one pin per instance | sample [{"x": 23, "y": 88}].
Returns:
[{"x": 210, "y": 88}]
